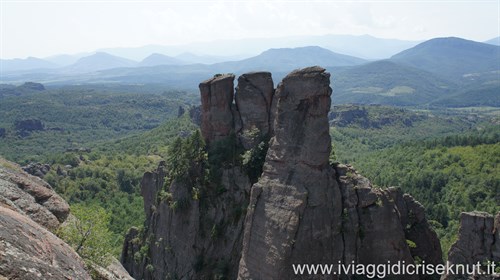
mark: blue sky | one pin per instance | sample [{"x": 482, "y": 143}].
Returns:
[{"x": 44, "y": 28}]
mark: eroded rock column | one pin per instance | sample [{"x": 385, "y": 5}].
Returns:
[
  {"x": 217, "y": 119},
  {"x": 294, "y": 208}
]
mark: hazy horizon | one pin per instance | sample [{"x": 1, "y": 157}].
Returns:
[{"x": 47, "y": 28}]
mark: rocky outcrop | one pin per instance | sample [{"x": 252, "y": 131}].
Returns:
[
  {"x": 301, "y": 210},
  {"x": 29, "y": 251},
  {"x": 378, "y": 225},
  {"x": 3, "y": 132},
  {"x": 186, "y": 237},
  {"x": 217, "y": 107},
  {"x": 253, "y": 99},
  {"x": 29, "y": 208},
  {"x": 304, "y": 211},
  {"x": 31, "y": 196},
  {"x": 37, "y": 169},
  {"x": 29, "y": 212},
  {"x": 478, "y": 241},
  {"x": 114, "y": 271}
]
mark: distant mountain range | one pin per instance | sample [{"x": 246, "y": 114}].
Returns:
[
  {"x": 451, "y": 57},
  {"x": 364, "y": 46},
  {"x": 435, "y": 72},
  {"x": 30, "y": 63},
  {"x": 493, "y": 41}
]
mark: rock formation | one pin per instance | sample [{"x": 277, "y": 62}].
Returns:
[
  {"x": 37, "y": 169},
  {"x": 253, "y": 99},
  {"x": 301, "y": 210},
  {"x": 32, "y": 196},
  {"x": 217, "y": 107},
  {"x": 29, "y": 251},
  {"x": 29, "y": 208},
  {"x": 478, "y": 241},
  {"x": 196, "y": 238},
  {"x": 30, "y": 211}
]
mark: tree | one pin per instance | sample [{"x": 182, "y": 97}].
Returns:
[{"x": 87, "y": 232}]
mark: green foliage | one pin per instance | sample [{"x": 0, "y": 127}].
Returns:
[
  {"x": 150, "y": 268},
  {"x": 411, "y": 244},
  {"x": 82, "y": 116},
  {"x": 187, "y": 159},
  {"x": 87, "y": 232},
  {"x": 223, "y": 154},
  {"x": 253, "y": 160}
]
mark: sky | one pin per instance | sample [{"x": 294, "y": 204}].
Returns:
[{"x": 43, "y": 28}]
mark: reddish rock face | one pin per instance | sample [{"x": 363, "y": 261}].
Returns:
[
  {"x": 216, "y": 107},
  {"x": 33, "y": 197},
  {"x": 29, "y": 251}
]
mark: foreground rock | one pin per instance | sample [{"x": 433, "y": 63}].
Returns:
[
  {"x": 31, "y": 196},
  {"x": 29, "y": 251},
  {"x": 29, "y": 211},
  {"x": 478, "y": 241},
  {"x": 301, "y": 210}
]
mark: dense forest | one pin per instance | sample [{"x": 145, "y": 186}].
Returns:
[{"x": 99, "y": 141}]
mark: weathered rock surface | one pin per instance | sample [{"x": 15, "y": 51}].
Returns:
[
  {"x": 114, "y": 271},
  {"x": 29, "y": 208},
  {"x": 32, "y": 196},
  {"x": 301, "y": 210},
  {"x": 29, "y": 251},
  {"x": 253, "y": 99},
  {"x": 304, "y": 211},
  {"x": 192, "y": 240},
  {"x": 217, "y": 107},
  {"x": 478, "y": 241}
]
